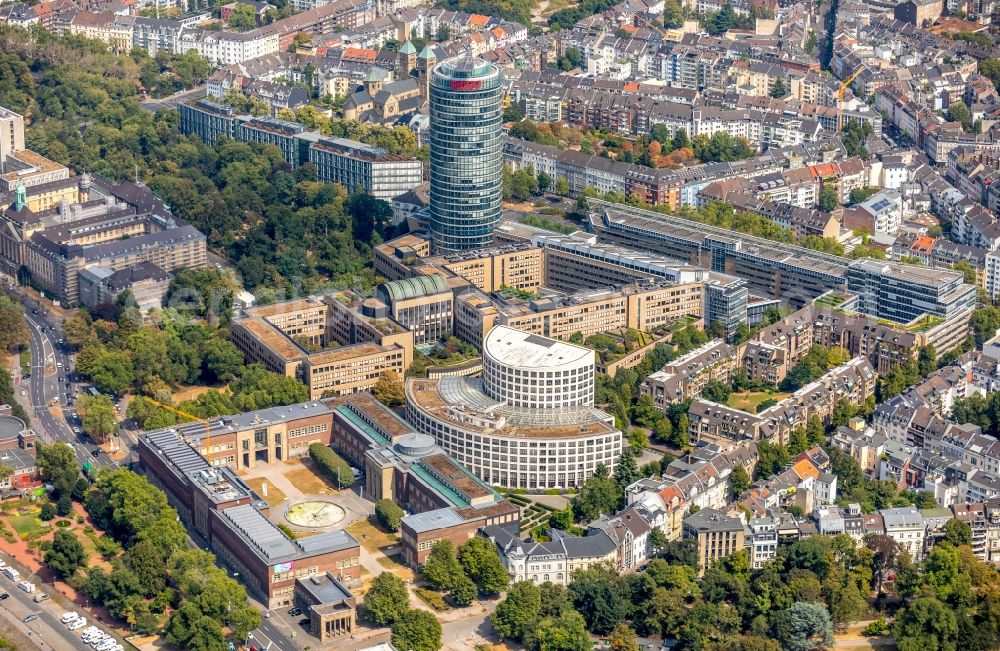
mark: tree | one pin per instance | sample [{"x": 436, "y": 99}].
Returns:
[
  {"x": 64, "y": 505},
  {"x": 626, "y": 470},
  {"x": 441, "y": 569},
  {"x": 597, "y": 496},
  {"x": 958, "y": 533},
  {"x": 386, "y": 599},
  {"x": 98, "y": 415},
  {"x": 623, "y": 638},
  {"x": 57, "y": 462},
  {"x": 66, "y": 554},
  {"x": 804, "y": 626},
  {"x": 959, "y": 112},
  {"x": 13, "y": 330},
  {"x": 243, "y": 18},
  {"x": 739, "y": 481},
  {"x": 481, "y": 563},
  {"x": 765, "y": 404},
  {"x": 111, "y": 371},
  {"x": 772, "y": 459},
  {"x": 926, "y": 624},
  {"x": 673, "y": 14},
  {"x": 778, "y": 90},
  {"x": 657, "y": 539},
  {"x": 332, "y": 464},
  {"x": 388, "y": 389},
  {"x": 828, "y": 199},
  {"x": 544, "y": 182},
  {"x": 602, "y": 597},
  {"x": 562, "y": 186},
  {"x": 860, "y": 195},
  {"x": 563, "y": 632},
  {"x": 416, "y": 630},
  {"x": 243, "y": 620},
  {"x": 223, "y": 361},
  {"x": 517, "y": 613},
  {"x": 47, "y": 512},
  {"x": 716, "y": 392},
  {"x": 389, "y": 514}
]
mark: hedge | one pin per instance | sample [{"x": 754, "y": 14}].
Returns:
[
  {"x": 332, "y": 465},
  {"x": 389, "y": 514}
]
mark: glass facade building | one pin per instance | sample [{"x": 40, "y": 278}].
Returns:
[{"x": 466, "y": 171}]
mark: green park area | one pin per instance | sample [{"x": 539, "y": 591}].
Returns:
[{"x": 749, "y": 400}]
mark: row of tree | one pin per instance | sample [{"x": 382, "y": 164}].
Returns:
[
  {"x": 793, "y": 602},
  {"x": 153, "y": 571}
]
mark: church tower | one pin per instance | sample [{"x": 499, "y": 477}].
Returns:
[
  {"x": 407, "y": 61},
  {"x": 425, "y": 64}
]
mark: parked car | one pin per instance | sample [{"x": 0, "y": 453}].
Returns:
[
  {"x": 29, "y": 618},
  {"x": 295, "y": 612},
  {"x": 4, "y": 596},
  {"x": 68, "y": 617},
  {"x": 77, "y": 624}
]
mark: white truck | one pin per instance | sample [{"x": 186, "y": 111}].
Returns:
[
  {"x": 12, "y": 574},
  {"x": 26, "y": 586}
]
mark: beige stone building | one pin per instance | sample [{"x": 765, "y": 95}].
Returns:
[
  {"x": 717, "y": 535},
  {"x": 336, "y": 344},
  {"x": 643, "y": 307}
]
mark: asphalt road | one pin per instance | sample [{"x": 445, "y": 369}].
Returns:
[
  {"x": 172, "y": 101},
  {"x": 49, "y": 362},
  {"x": 47, "y": 630}
]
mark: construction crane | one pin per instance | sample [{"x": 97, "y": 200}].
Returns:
[
  {"x": 840, "y": 96},
  {"x": 191, "y": 417}
]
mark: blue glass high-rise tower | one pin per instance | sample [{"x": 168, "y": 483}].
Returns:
[{"x": 466, "y": 170}]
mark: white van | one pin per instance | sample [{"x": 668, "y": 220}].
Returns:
[
  {"x": 68, "y": 617},
  {"x": 26, "y": 586},
  {"x": 12, "y": 574}
]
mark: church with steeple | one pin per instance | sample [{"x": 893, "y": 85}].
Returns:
[{"x": 389, "y": 97}]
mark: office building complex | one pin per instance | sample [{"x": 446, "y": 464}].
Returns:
[
  {"x": 109, "y": 228},
  {"x": 357, "y": 165},
  {"x": 529, "y": 422},
  {"x": 446, "y": 500},
  {"x": 224, "y": 510},
  {"x": 466, "y": 171},
  {"x": 886, "y": 290},
  {"x": 21, "y": 167},
  {"x": 902, "y": 293},
  {"x": 335, "y": 344},
  {"x": 354, "y": 165}
]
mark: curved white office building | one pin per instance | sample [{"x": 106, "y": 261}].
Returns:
[
  {"x": 529, "y": 422},
  {"x": 526, "y": 370}
]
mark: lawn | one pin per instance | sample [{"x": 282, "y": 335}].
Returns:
[
  {"x": 371, "y": 537},
  {"x": 748, "y": 400},
  {"x": 274, "y": 495},
  {"x": 192, "y": 393},
  {"x": 391, "y": 562},
  {"x": 307, "y": 480},
  {"x": 26, "y": 524}
]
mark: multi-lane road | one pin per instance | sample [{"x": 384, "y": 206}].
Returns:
[
  {"x": 46, "y": 630},
  {"x": 50, "y": 388}
]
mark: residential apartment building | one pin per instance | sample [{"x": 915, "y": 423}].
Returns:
[
  {"x": 685, "y": 377},
  {"x": 717, "y": 535}
]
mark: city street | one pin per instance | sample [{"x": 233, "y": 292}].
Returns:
[
  {"x": 47, "y": 631},
  {"x": 46, "y": 396},
  {"x": 172, "y": 101}
]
